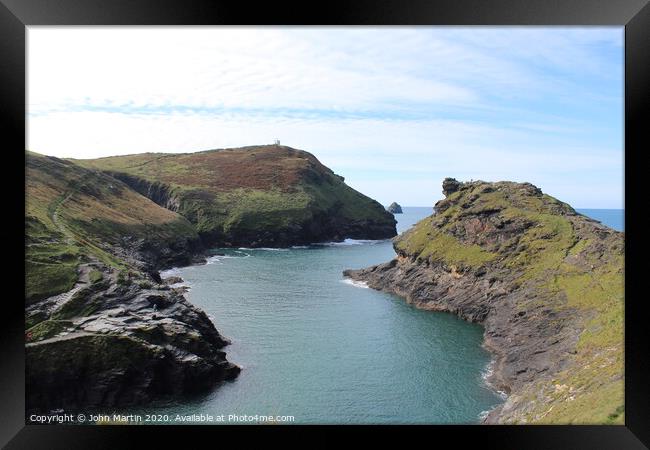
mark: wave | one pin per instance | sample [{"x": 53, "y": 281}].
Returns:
[
  {"x": 217, "y": 259},
  {"x": 349, "y": 242},
  {"x": 267, "y": 249},
  {"x": 486, "y": 374},
  {"x": 355, "y": 283},
  {"x": 483, "y": 414},
  {"x": 168, "y": 273}
]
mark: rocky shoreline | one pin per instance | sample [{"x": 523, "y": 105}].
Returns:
[
  {"x": 115, "y": 342},
  {"x": 532, "y": 271}
]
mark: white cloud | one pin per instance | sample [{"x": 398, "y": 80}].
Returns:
[
  {"x": 405, "y": 104},
  {"x": 229, "y": 68}
]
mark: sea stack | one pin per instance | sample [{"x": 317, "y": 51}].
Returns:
[
  {"x": 394, "y": 208},
  {"x": 545, "y": 282}
]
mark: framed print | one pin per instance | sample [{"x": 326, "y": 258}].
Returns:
[{"x": 406, "y": 217}]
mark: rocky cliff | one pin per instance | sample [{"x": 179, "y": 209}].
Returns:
[
  {"x": 262, "y": 196},
  {"x": 545, "y": 282},
  {"x": 101, "y": 330}
]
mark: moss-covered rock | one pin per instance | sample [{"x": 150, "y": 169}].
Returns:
[{"x": 46, "y": 329}]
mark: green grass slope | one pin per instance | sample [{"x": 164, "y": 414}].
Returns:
[
  {"x": 73, "y": 214},
  {"x": 263, "y": 195}
]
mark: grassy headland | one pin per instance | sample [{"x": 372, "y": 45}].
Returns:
[
  {"x": 546, "y": 282},
  {"x": 259, "y": 196}
]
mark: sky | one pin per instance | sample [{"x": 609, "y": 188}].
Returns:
[{"x": 392, "y": 109}]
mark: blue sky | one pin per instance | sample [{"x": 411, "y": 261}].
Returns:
[{"x": 393, "y": 109}]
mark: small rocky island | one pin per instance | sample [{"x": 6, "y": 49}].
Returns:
[
  {"x": 546, "y": 283},
  {"x": 394, "y": 208},
  {"x": 102, "y": 328}
]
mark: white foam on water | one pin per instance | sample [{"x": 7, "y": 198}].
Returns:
[
  {"x": 355, "y": 283},
  {"x": 486, "y": 374},
  {"x": 349, "y": 242},
  {"x": 268, "y": 249},
  {"x": 488, "y": 371},
  {"x": 218, "y": 259},
  {"x": 173, "y": 272}
]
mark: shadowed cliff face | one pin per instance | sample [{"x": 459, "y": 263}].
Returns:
[
  {"x": 264, "y": 196},
  {"x": 545, "y": 281}
]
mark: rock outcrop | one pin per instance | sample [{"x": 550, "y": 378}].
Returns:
[
  {"x": 545, "y": 282},
  {"x": 449, "y": 186},
  {"x": 394, "y": 208},
  {"x": 119, "y": 342}
]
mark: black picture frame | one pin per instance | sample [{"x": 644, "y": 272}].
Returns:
[{"x": 634, "y": 15}]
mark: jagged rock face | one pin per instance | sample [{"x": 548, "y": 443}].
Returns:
[
  {"x": 116, "y": 343},
  {"x": 546, "y": 283},
  {"x": 157, "y": 192},
  {"x": 394, "y": 208}
]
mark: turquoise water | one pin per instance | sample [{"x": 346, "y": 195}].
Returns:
[
  {"x": 326, "y": 351},
  {"x": 323, "y": 350}
]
